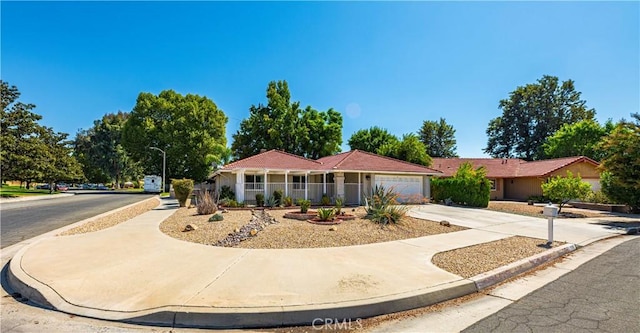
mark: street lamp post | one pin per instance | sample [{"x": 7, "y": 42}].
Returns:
[{"x": 164, "y": 165}]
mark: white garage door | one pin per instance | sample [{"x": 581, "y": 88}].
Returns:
[{"x": 407, "y": 187}]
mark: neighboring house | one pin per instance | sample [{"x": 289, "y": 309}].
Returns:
[
  {"x": 347, "y": 175},
  {"x": 518, "y": 179}
]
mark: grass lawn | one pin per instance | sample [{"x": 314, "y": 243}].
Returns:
[{"x": 16, "y": 191}]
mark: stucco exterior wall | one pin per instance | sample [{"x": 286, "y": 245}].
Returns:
[
  {"x": 522, "y": 188},
  {"x": 498, "y": 193},
  {"x": 585, "y": 170}
]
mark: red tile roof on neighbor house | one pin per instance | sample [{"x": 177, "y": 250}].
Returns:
[
  {"x": 357, "y": 160},
  {"x": 350, "y": 161},
  {"x": 509, "y": 167}
]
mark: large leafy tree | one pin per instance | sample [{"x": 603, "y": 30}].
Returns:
[
  {"x": 578, "y": 139},
  {"x": 621, "y": 181},
  {"x": 439, "y": 138},
  {"x": 409, "y": 149},
  {"x": 30, "y": 151},
  {"x": 190, "y": 129},
  {"x": 371, "y": 139},
  {"x": 531, "y": 114},
  {"x": 282, "y": 124},
  {"x": 101, "y": 152}
]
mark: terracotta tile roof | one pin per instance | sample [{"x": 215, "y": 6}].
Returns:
[
  {"x": 357, "y": 160},
  {"x": 350, "y": 161},
  {"x": 545, "y": 167},
  {"x": 275, "y": 159},
  {"x": 510, "y": 167}
]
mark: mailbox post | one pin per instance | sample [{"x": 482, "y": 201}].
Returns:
[{"x": 550, "y": 211}]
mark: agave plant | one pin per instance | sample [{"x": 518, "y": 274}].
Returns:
[
  {"x": 382, "y": 206},
  {"x": 339, "y": 204}
]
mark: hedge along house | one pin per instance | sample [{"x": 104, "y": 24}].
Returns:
[
  {"x": 347, "y": 175},
  {"x": 518, "y": 179}
]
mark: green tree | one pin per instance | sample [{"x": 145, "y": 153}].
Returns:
[
  {"x": 101, "y": 152},
  {"x": 190, "y": 129},
  {"x": 621, "y": 181},
  {"x": 578, "y": 139},
  {"x": 30, "y": 151},
  {"x": 409, "y": 149},
  {"x": 283, "y": 125},
  {"x": 371, "y": 139},
  {"x": 531, "y": 114},
  {"x": 564, "y": 189},
  {"x": 439, "y": 138}
]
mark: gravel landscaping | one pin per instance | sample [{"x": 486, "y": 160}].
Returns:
[
  {"x": 476, "y": 259},
  {"x": 290, "y": 233},
  {"x": 115, "y": 217}
]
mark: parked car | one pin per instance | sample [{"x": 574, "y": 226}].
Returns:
[
  {"x": 102, "y": 187},
  {"x": 42, "y": 187},
  {"x": 62, "y": 187}
]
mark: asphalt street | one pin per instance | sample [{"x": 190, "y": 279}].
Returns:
[
  {"x": 603, "y": 295},
  {"x": 26, "y": 219}
]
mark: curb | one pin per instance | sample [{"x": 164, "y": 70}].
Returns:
[
  {"x": 490, "y": 278},
  {"x": 36, "y": 197}
]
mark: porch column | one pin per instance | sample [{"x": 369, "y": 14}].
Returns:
[
  {"x": 324, "y": 182},
  {"x": 286, "y": 183},
  {"x": 240, "y": 186},
  {"x": 266, "y": 195},
  {"x": 339, "y": 180},
  {"x": 359, "y": 187},
  {"x": 306, "y": 185},
  {"x": 427, "y": 187}
]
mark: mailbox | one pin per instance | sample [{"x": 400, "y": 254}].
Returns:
[{"x": 550, "y": 211}]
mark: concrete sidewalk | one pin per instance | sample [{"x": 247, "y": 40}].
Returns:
[{"x": 134, "y": 273}]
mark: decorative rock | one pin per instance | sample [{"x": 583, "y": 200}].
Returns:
[
  {"x": 236, "y": 230},
  {"x": 334, "y": 228},
  {"x": 224, "y": 211},
  {"x": 445, "y": 223},
  {"x": 190, "y": 227},
  {"x": 253, "y": 232}
]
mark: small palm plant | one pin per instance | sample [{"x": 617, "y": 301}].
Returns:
[
  {"x": 326, "y": 214},
  {"x": 304, "y": 205},
  {"x": 339, "y": 204}
]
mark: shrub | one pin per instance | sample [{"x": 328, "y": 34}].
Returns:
[
  {"x": 539, "y": 199},
  {"x": 277, "y": 196},
  {"x": 287, "y": 201},
  {"x": 232, "y": 204},
  {"x": 206, "y": 203},
  {"x": 226, "y": 193},
  {"x": 468, "y": 187},
  {"x": 216, "y": 217},
  {"x": 325, "y": 201},
  {"x": 598, "y": 197},
  {"x": 382, "y": 206},
  {"x": 259, "y": 199},
  {"x": 183, "y": 189},
  {"x": 564, "y": 189},
  {"x": 304, "y": 205},
  {"x": 339, "y": 203},
  {"x": 326, "y": 214}
]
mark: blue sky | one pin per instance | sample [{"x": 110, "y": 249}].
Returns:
[{"x": 384, "y": 64}]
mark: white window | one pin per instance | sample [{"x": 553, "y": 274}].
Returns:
[
  {"x": 254, "y": 182},
  {"x": 299, "y": 182}
]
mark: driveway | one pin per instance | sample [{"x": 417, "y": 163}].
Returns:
[{"x": 567, "y": 230}]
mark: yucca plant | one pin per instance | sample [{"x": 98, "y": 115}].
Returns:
[
  {"x": 326, "y": 214},
  {"x": 383, "y": 206},
  {"x": 270, "y": 202}
]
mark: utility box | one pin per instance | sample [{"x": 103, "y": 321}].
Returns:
[{"x": 550, "y": 211}]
